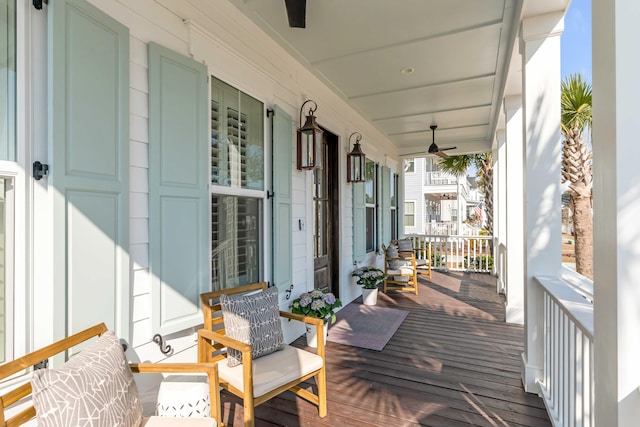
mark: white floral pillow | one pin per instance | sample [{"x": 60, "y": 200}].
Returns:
[{"x": 95, "y": 388}]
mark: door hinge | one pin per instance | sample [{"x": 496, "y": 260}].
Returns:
[
  {"x": 270, "y": 112},
  {"x": 38, "y": 3},
  {"x": 41, "y": 365},
  {"x": 40, "y": 170}
]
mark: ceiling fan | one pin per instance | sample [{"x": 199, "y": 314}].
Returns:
[
  {"x": 296, "y": 12},
  {"x": 433, "y": 148}
]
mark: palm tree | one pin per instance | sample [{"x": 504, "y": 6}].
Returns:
[
  {"x": 576, "y": 165},
  {"x": 458, "y": 165}
]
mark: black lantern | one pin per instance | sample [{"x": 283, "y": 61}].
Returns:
[
  {"x": 309, "y": 141},
  {"x": 355, "y": 161}
]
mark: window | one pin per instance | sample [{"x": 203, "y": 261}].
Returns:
[
  {"x": 409, "y": 214},
  {"x": 7, "y": 153},
  {"x": 237, "y": 190},
  {"x": 394, "y": 205},
  {"x": 8, "y": 80},
  {"x": 370, "y": 194},
  {"x": 410, "y": 165}
]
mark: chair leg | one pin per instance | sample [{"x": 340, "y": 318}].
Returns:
[
  {"x": 248, "y": 413},
  {"x": 322, "y": 393}
]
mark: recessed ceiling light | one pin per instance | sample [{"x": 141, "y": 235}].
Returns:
[{"x": 407, "y": 70}]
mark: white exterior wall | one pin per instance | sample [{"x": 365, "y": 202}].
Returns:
[
  {"x": 239, "y": 53},
  {"x": 413, "y": 192}
]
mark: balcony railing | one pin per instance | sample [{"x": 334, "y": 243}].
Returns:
[
  {"x": 439, "y": 178},
  {"x": 567, "y": 383},
  {"x": 455, "y": 253}
]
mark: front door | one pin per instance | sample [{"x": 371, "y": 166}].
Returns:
[{"x": 325, "y": 217}]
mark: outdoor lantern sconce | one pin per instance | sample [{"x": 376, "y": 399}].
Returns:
[
  {"x": 355, "y": 161},
  {"x": 309, "y": 141}
]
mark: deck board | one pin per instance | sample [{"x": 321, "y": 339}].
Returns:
[{"x": 453, "y": 362}]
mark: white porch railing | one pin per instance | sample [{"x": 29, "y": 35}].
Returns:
[
  {"x": 455, "y": 253},
  {"x": 439, "y": 178},
  {"x": 567, "y": 381}
]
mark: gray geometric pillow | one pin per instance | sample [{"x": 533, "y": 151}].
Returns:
[
  {"x": 95, "y": 388},
  {"x": 405, "y": 245},
  {"x": 255, "y": 320},
  {"x": 392, "y": 252}
]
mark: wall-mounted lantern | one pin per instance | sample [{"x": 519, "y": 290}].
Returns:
[
  {"x": 309, "y": 141},
  {"x": 355, "y": 161}
]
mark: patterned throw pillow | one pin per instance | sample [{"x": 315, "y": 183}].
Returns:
[
  {"x": 95, "y": 388},
  {"x": 405, "y": 245},
  {"x": 392, "y": 252},
  {"x": 255, "y": 320}
]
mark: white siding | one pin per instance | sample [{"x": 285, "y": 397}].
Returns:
[{"x": 236, "y": 51}]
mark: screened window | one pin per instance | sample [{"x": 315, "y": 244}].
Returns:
[
  {"x": 370, "y": 194},
  {"x": 7, "y": 80},
  {"x": 237, "y": 190},
  {"x": 237, "y": 138},
  {"x": 410, "y": 165},
  {"x": 409, "y": 214}
]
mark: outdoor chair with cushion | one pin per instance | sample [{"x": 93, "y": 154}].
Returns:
[
  {"x": 242, "y": 331},
  {"x": 400, "y": 270},
  {"x": 423, "y": 265},
  {"x": 95, "y": 387}
]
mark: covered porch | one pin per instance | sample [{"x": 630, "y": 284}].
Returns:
[{"x": 452, "y": 362}]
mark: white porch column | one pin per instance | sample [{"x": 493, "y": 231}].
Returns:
[
  {"x": 540, "y": 49},
  {"x": 616, "y": 195},
  {"x": 515, "y": 219},
  {"x": 499, "y": 156}
]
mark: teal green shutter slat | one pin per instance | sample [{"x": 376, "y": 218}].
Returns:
[
  {"x": 386, "y": 205},
  {"x": 359, "y": 222},
  {"x": 178, "y": 189},
  {"x": 88, "y": 144},
  {"x": 282, "y": 133}
]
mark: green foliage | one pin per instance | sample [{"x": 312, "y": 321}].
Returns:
[
  {"x": 316, "y": 304},
  {"x": 575, "y": 104},
  {"x": 481, "y": 262},
  {"x": 369, "y": 277}
]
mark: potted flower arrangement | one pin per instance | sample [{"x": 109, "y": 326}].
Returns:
[
  {"x": 369, "y": 278},
  {"x": 318, "y": 304}
]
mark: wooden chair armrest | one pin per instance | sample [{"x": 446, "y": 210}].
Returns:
[
  {"x": 204, "y": 335},
  {"x": 211, "y": 369},
  {"x": 301, "y": 318}
]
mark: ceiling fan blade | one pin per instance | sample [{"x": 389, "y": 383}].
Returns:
[
  {"x": 448, "y": 148},
  {"x": 441, "y": 154},
  {"x": 296, "y": 12}
]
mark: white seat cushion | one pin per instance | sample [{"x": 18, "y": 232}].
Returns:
[
  {"x": 273, "y": 370},
  {"x": 421, "y": 262},
  {"x": 175, "y": 422},
  {"x": 401, "y": 270}
]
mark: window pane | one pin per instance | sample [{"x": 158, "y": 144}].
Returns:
[
  {"x": 7, "y": 79},
  {"x": 5, "y": 277},
  {"x": 369, "y": 187},
  {"x": 237, "y": 138},
  {"x": 409, "y": 214},
  {"x": 409, "y": 165},
  {"x": 235, "y": 238},
  {"x": 371, "y": 230}
]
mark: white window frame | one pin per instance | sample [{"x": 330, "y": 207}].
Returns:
[{"x": 413, "y": 214}]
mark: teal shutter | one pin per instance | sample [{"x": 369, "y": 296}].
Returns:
[
  {"x": 282, "y": 187},
  {"x": 400, "y": 198},
  {"x": 385, "y": 204},
  {"x": 359, "y": 222},
  {"x": 88, "y": 121},
  {"x": 178, "y": 189}
]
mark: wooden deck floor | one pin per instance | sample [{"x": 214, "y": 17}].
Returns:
[{"x": 453, "y": 362}]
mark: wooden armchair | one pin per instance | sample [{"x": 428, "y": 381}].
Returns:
[
  {"x": 422, "y": 254},
  {"x": 17, "y": 405},
  {"x": 257, "y": 380},
  {"x": 400, "y": 269}
]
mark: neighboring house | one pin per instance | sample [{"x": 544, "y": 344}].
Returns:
[{"x": 435, "y": 202}]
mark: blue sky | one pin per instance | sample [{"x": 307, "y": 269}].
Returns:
[{"x": 576, "y": 40}]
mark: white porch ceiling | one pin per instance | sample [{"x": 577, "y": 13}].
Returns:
[{"x": 460, "y": 51}]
